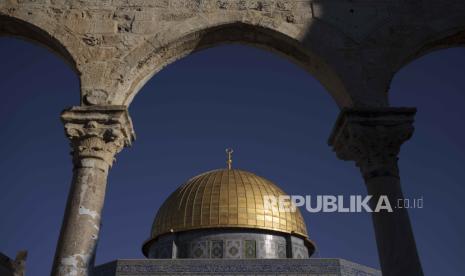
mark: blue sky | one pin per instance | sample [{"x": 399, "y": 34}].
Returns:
[{"x": 274, "y": 114}]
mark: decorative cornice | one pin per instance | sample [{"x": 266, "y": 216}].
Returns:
[
  {"x": 98, "y": 132},
  {"x": 312, "y": 266},
  {"x": 372, "y": 138}
]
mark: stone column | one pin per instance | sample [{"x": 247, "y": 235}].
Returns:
[
  {"x": 97, "y": 134},
  {"x": 372, "y": 138}
]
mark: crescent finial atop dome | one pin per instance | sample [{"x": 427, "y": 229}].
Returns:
[{"x": 229, "y": 152}]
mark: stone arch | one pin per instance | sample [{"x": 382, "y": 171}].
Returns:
[
  {"x": 296, "y": 44},
  {"x": 18, "y": 28},
  {"x": 396, "y": 44},
  {"x": 451, "y": 34},
  {"x": 448, "y": 39}
]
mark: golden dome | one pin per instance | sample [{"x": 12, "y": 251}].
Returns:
[{"x": 225, "y": 198}]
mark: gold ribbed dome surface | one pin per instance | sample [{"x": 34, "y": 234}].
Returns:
[{"x": 225, "y": 199}]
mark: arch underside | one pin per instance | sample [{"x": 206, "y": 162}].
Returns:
[
  {"x": 240, "y": 33},
  {"x": 13, "y": 27},
  {"x": 355, "y": 65},
  {"x": 444, "y": 39},
  {"x": 454, "y": 38}
]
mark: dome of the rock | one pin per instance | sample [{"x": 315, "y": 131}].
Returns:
[{"x": 223, "y": 214}]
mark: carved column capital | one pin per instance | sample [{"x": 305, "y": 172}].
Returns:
[
  {"x": 372, "y": 138},
  {"x": 97, "y": 132}
]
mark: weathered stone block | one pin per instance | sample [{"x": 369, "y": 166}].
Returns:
[{"x": 144, "y": 26}]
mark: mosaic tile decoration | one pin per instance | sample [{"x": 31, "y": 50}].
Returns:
[
  {"x": 199, "y": 250},
  {"x": 250, "y": 250},
  {"x": 298, "y": 252},
  {"x": 282, "y": 250},
  {"x": 233, "y": 249},
  {"x": 216, "y": 249}
]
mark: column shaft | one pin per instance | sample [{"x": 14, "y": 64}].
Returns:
[
  {"x": 372, "y": 138},
  {"x": 394, "y": 236},
  {"x": 96, "y": 135},
  {"x": 81, "y": 223}
]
